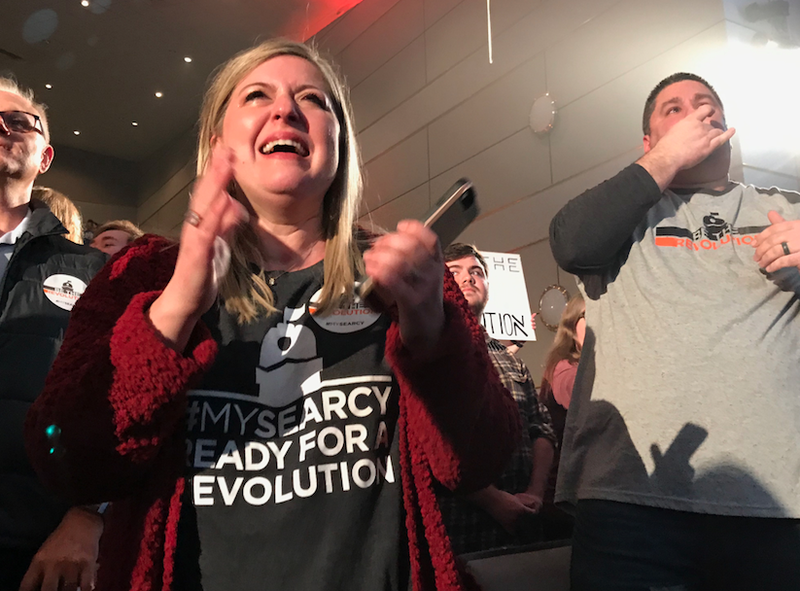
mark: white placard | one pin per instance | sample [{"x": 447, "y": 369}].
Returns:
[{"x": 508, "y": 312}]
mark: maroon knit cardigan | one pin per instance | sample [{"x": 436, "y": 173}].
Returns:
[{"x": 117, "y": 396}]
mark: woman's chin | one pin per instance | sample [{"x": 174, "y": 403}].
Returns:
[{"x": 285, "y": 193}]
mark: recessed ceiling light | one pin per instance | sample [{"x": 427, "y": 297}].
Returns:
[
  {"x": 84, "y": 3},
  {"x": 134, "y": 123},
  {"x": 48, "y": 86},
  {"x": 187, "y": 59},
  {"x": 76, "y": 132},
  {"x": 159, "y": 94}
]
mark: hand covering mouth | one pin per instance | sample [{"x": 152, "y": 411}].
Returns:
[{"x": 286, "y": 146}]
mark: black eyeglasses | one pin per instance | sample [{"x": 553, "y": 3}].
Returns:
[{"x": 21, "y": 122}]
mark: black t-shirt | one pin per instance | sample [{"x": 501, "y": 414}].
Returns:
[{"x": 292, "y": 454}]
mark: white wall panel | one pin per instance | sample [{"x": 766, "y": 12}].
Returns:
[
  {"x": 180, "y": 181},
  {"x": 550, "y": 22},
  {"x": 380, "y": 42},
  {"x": 782, "y": 162},
  {"x": 169, "y": 216},
  {"x": 412, "y": 205},
  {"x": 397, "y": 80},
  {"x": 767, "y": 178},
  {"x": 504, "y": 173},
  {"x": 622, "y": 38},
  {"x": 463, "y": 30},
  {"x": 339, "y": 34},
  {"x": 455, "y": 36},
  {"x": 436, "y": 9},
  {"x": 396, "y": 172},
  {"x": 528, "y": 221},
  {"x": 104, "y": 212},
  {"x": 489, "y": 116},
  {"x": 506, "y": 13}
]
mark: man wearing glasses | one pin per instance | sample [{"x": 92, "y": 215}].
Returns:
[{"x": 43, "y": 274}]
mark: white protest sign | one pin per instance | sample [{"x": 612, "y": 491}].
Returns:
[{"x": 507, "y": 315}]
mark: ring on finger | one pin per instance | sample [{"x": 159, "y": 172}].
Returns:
[
  {"x": 785, "y": 247},
  {"x": 192, "y": 218}
]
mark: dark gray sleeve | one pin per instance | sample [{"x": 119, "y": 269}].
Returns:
[{"x": 590, "y": 231}]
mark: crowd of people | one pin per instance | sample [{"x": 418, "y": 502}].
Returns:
[{"x": 224, "y": 411}]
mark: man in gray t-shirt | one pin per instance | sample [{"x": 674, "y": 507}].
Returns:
[{"x": 681, "y": 451}]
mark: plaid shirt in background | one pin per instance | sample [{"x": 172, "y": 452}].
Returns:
[{"x": 471, "y": 529}]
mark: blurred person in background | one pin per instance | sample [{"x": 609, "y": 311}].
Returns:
[
  {"x": 558, "y": 378},
  {"x": 505, "y": 513},
  {"x": 113, "y": 236},
  {"x": 43, "y": 275},
  {"x": 64, "y": 209},
  {"x": 561, "y": 362}
]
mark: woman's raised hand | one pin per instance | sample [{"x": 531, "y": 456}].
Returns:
[
  {"x": 407, "y": 270},
  {"x": 212, "y": 217}
]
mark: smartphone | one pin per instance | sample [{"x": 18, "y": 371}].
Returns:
[
  {"x": 451, "y": 215},
  {"x": 448, "y": 217}
]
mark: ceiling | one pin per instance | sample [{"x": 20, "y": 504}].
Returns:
[{"x": 106, "y": 61}]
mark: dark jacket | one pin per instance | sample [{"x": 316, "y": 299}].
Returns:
[{"x": 32, "y": 326}]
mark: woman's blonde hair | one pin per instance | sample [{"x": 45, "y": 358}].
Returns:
[
  {"x": 565, "y": 345},
  {"x": 64, "y": 209},
  {"x": 244, "y": 289}
]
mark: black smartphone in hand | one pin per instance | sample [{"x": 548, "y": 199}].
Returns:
[
  {"x": 456, "y": 210},
  {"x": 448, "y": 217}
]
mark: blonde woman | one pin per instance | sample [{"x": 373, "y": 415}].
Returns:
[
  {"x": 561, "y": 362},
  {"x": 259, "y": 427},
  {"x": 64, "y": 209},
  {"x": 558, "y": 378}
]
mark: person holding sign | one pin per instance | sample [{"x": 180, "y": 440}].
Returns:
[
  {"x": 505, "y": 512},
  {"x": 256, "y": 426}
]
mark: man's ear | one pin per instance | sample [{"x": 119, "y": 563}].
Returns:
[
  {"x": 646, "y": 144},
  {"x": 47, "y": 159}
]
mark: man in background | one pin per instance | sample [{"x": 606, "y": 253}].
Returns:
[
  {"x": 681, "y": 450},
  {"x": 505, "y": 513},
  {"x": 43, "y": 274},
  {"x": 113, "y": 236}
]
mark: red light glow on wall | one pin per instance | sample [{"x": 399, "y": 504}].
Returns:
[{"x": 317, "y": 15}]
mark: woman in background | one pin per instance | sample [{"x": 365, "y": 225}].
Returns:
[
  {"x": 260, "y": 428},
  {"x": 561, "y": 362},
  {"x": 64, "y": 209},
  {"x": 560, "y": 367}
]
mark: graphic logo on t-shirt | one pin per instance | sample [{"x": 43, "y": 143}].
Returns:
[
  {"x": 288, "y": 367},
  {"x": 715, "y": 232},
  {"x": 63, "y": 290},
  {"x": 352, "y": 318}
]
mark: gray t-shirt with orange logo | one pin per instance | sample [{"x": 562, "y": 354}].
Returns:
[{"x": 688, "y": 392}]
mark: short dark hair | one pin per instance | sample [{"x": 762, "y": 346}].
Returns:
[
  {"x": 650, "y": 103},
  {"x": 460, "y": 250}
]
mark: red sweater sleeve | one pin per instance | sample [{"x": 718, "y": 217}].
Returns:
[
  {"x": 466, "y": 422},
  {"x": 116, "y": 394}
]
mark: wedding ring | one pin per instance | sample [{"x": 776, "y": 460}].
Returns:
[
  {"x": 192, "y": 218},
  {"x": 786, "y": 250}
]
